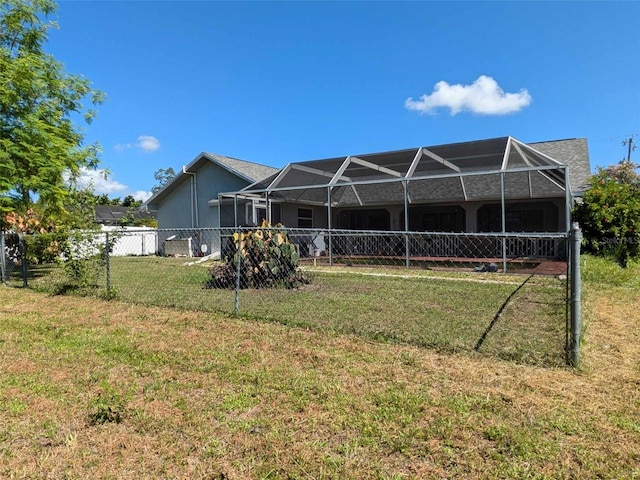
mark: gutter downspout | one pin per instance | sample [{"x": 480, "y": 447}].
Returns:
[{"x": 194, "y": 198}]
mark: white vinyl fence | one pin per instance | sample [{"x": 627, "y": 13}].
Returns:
[{"x": 133, "y": 241}]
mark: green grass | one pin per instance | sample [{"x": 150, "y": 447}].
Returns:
[
  {"x": 105, "y": 390},
  {"x": 448, "y": 311},
  {"x": 606, "y": 272}
]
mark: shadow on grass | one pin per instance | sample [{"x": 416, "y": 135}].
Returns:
[
  {"x": 34, "y": 272},
  {"x": 497, "y": 315}
]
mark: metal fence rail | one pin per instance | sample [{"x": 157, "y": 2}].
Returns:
[{"x": 519, "y": 293}]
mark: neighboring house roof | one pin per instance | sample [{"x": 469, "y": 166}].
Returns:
[
  {"x": 249, "y": 171},
  {"x": 112, "y": 214}
]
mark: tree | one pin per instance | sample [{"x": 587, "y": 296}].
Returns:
[
  {"x": 39, "y": 144},
  {"x": 163, "y": 177},
  {"x": 610, "y": 212},
  {"x": 131, "y": 202}
]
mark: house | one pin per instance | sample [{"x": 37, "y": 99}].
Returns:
[
  {"x": 445, "y": 188},
  {"x": 190, "y": 200},
  {"x": 114, "y": 215},
  {"x": 494, "y": 185}
]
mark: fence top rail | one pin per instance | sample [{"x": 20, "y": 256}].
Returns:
[
  {"x": 326, "y": 231},
  {"x": 395, "y": 233}
]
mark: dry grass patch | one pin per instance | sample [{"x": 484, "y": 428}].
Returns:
[{"x": 205, "y": 396}]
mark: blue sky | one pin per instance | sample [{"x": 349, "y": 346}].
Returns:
[{"x": 278, "y": 82}]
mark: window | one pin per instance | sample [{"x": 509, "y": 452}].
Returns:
[
  {"x": 525, "y": 217},
  {"x": 259, "y": 214},
  {"x": 371, "y": 219},
  {"x": 435, "y": 219},
  {"x": 305, "y": 218}
]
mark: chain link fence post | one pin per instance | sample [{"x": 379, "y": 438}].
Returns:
[
  {"x": 107, "y": 262},
  {"x": 23, "y": 259},
  {"x": 576, "y": 291},
  {"x": 3, "y": 260},
  {"x": 236, "y": 304}
]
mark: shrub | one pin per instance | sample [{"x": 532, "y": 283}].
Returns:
[
  {"x": 84, "y": 256},
  {"x": 610, "y": 213},
  {"x": 266, "y": 258},
  {"x": 42, "y": 238}
]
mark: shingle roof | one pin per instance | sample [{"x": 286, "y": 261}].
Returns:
[
  {"x": 112, "y": 214},
  {"x": 573, "y": 152},
  {"x": 465, "y": 165},
  {"x": 249, "y": 171},
  {"x": 252, "y": 171}
]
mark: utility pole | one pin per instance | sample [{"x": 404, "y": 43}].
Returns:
[{"x": 631, "y": 146}]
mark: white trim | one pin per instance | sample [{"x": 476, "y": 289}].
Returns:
[
  {"x": 414, "y": 163},
  {"x": 440, "y": 160},
  {"x": 280, "y": 176},
  {"x": 315, "y": 171},
  {"x": 338, "y": 174},
  {"x": 505, "y": 158},
  {"x": 375, "y": 167}
]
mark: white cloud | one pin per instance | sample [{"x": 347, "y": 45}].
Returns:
[
  {"x": 141, "y": 195},
  {"x": 146, "y": 143},
  {"x": 99, "y": 181},
  {"x": 484, "y": 96}
]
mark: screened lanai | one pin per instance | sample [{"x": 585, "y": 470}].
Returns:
[{"x": 498, "y": 185}]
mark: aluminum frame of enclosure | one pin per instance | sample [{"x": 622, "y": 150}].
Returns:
[{"x": 501, "y": 170}]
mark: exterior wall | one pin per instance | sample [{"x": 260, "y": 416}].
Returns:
[
  {"x": 175, "y": 210},
  {"x": 290, "y": 215},
  {"x": 211, "y": 180}
]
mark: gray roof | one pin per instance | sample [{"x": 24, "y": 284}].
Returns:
[
  {"x": 441, "y": 173},
  {"x": 249, "y": 171},
  {"x": 112, "y": 214},
  {"x": 573, "y": 152}
]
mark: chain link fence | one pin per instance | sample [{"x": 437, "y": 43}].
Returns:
[{"x": 506, "y": 295}]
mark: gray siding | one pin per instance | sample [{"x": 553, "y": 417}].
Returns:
[
  {"x": 290, "y": 215},
  {"x": 212, "y": 180},
  {"x": 175, "y": 210}
]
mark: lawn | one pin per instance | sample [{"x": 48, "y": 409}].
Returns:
[
  {"x": 514, "y": 317},
  {"x": 95, "y": 389}
]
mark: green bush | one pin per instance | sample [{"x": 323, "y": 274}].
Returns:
[
  {"x": 84, "y": 256},
  {"x": 610, "y": 213},
  {"x": 266, "y": 258},
  {"x": 44, "y": 247}
]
